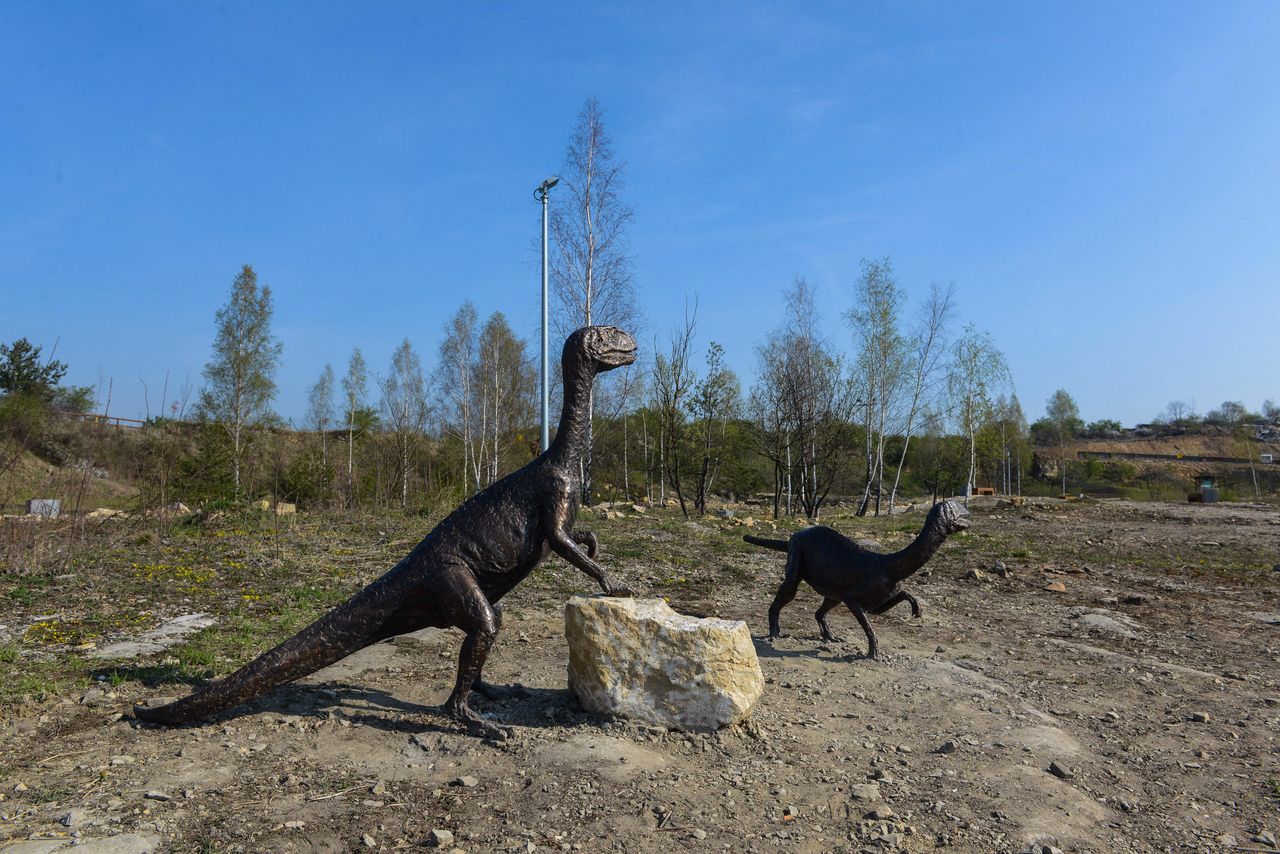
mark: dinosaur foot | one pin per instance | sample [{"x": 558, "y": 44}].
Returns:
[
  {"x": 500, "y": 692},
  {"x": 477, "y": 725}
]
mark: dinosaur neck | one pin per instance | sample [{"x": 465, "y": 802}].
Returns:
[
  {"x": 904, "y": 563},
  {"x": 571, "y": 436}
]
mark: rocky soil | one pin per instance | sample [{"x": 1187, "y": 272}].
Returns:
[{"x": 1106, "y": 681}]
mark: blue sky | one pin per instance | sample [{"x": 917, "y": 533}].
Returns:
[{"x": 1099, "y": 180}]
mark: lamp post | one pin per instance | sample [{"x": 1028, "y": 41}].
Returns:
[{"x": 541, "y": 195}]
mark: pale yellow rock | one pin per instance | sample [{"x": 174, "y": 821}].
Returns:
[{"x": 638, "y": 659}]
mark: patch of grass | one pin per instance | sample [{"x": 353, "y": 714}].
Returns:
[{"x": 48, "y": 794}]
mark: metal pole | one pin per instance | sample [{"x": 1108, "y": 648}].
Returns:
[{"x": 546, "y": 417}]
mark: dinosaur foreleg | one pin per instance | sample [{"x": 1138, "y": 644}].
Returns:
[
  {"x": 786, "y": 592},
  {"x": 873, "y": 646},
  {"x": 562, "y": 542},
  {"x": 472, "y": 613},
  {"x": 821, "y": 616},
  {"x": 583, "y": 537},
  {"x": 900, "y": 596}
]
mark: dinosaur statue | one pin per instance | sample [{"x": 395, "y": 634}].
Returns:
[
  {"x": 457, "y": 574},
  {"x": 843, "y": 571}
]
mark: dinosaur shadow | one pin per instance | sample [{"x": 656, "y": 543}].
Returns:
[
  {"x": 766, "y": 649},
  {"x": 150, "y": 675},
  {"x": 537, "y": 708}
]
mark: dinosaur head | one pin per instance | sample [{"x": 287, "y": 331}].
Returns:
[
  {"x": 953, "y": 517},
  {"x": 603, "y": 347}
]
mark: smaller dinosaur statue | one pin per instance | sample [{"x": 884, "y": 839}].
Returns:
[{"x": 843, "y": 571}]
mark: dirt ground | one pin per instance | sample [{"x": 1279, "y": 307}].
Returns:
[{"x": 1134, "y": 708}]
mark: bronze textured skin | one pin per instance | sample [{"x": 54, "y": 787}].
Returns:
[
  {"x": 843, "y": 571},
  {"x": 457, "y": 574}
]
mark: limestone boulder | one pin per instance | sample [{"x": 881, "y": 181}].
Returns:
[{"x": 638, "y": 659}]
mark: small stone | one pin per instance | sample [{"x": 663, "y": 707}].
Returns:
[
  {"x": 1199, "y": 717},
  {"x": 295, "y": 825},
  {"x": 1056, "y": 587},
  {"x": 974, "y": 575},
  {"x": 864, "y": 792},
  {"x": 122, "y": 760},
  {"x": 1062, "y": 772},
  {"x": 1001, "y": 569},
  {"x": 947, "y": 747},
  {"x": 439, "y": 838},
  {"x": 466, "y": 782},
  {"x": 881, "y": 813},
  {"x": 1266, "y": 838},
  {"x": 20, "y": 787},
  {"x": 903, "y": 748},
  {"x": 369, "y": 841},
  {"x": 379, "y": 788},
  {"x": 154, "y": 795},
  {"x": 699, "y": 833},
  {"x": 73, "y": 818}
]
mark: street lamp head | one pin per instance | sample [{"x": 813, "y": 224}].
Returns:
[{"x": 541, "y": 193}]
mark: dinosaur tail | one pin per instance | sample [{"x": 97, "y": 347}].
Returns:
[
  {"x": 342, "y": 631},
  {"x": 776, "y": 545}
]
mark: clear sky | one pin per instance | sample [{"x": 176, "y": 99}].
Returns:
[{"x": 1101, "y": 181}]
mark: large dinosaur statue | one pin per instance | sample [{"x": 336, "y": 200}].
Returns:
[
  {"x": 843, "y": 571},
  {"x": 457, "y": 574}
]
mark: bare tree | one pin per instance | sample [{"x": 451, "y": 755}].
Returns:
[
  {"x": 926, "y": 371},
  {"x": 508, "y": 384},
  {"x": 456, "y": 390},
  {"x": 881, "y": 363},
  {"x": 320, "y": 410},
  {"x": 354, "y": 389},
  {"x": 241, "y": 375},
  {"x": 716, "y": 400},
  {"x": 977, "y": 369},
  {"x": 672, "y": 383},
  {"x": 809, "y": 398},
  {"x": 771, "y": 428},
  {"x": 404, "y": 408},
  {"x": 1061, "y": 411},
  {"x": 591, "y": 268}
]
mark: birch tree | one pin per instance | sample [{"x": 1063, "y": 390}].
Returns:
[
  {"x": 925, "y": 371},
  {"x": 591, "y": 268},
  {"x": 354, "y": 391},
  {"x": 672, "y": 383},
  {"x": 809, "y": 399},
  {"x": 716, "y": 400},
  {"x": 320, "y": 410},
  {"x": 978, "y": 369},
  {"x": 457, "y": 392},
  {"x": 241, "y": 375},
  {"x": 507, "y": 385},
  {"x": 1062, "y": 412},
  {"x": 404, "y": 408},
  {"x": 881, "y": 363}
]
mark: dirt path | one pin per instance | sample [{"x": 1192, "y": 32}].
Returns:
[{"x": 1139, "y": 710}]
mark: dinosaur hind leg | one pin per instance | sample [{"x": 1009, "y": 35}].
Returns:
[
  {"x": 487, "y": 689},
  {"x": 786, "y": 592},
  {"x": 470, "y": 611},
  {"x": 821, "y": 616},
  {"x": 873, "y": 646}
]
